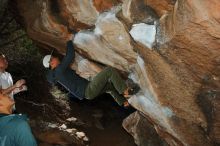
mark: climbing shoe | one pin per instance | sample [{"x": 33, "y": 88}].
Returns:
[{"x": 133, "y": 88}]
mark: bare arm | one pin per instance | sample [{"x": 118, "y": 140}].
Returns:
[{"x": 8, "y": 90}]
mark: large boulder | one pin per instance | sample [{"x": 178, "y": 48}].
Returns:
[
  {"x": 109, "y": 43},
  {"x": 136, "y": 11},
  {"x": 182, "y": 50},
  {"x": 142, "y": 130}
]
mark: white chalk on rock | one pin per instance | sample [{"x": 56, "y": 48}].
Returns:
[
  {"x": 144, "y": 34},
  {"x": 72, "y": 119},
  {"x": 147, "y": 100},
  {"x": 80, "y": 134}
]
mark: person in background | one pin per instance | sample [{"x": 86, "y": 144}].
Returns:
[
  {"x": 107, "y": 81},
  {"x": 15, "y": 131},
  {"x": 6, "y": 82}
]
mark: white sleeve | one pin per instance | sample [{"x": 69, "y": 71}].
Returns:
[
  {"x": 10, "y": 80},
  {"x": 0, "y": 82}
]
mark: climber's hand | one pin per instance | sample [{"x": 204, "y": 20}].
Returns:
[
  {"x": 69, "y": 37},
  {"x": 19, "y": 83},
  {"x": 126, "y": 104}
]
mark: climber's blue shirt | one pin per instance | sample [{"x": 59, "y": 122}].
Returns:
[
  {"x": 15, "y": 131},
  {"x": 67, "y": 77}
]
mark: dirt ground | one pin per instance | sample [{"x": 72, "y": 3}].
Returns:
[{"x": 100, "y": 120}]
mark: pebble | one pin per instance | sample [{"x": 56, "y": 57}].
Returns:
[
  {"x": 71, "y": 130},
  {"x": 215, "y": 78},
  {"x": 85, "y": 138},
  {"x": 63, "y": 126},
  {"x": 52, "y": 125},
  {"x": 72, "y": 119},
  {"x": 80, "y": 134}
]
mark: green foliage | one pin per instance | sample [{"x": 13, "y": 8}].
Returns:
[
  {"x": 14, "y": 42},
  {"x": 25, "y": 50}
]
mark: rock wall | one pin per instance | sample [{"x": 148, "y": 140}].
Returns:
[{"x": 168, "y": 47}]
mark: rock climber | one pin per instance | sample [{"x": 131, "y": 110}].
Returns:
[{"x": 107, "y": 81}]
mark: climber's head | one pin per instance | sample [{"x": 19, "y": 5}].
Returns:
[{"x": 52, "y": 61}]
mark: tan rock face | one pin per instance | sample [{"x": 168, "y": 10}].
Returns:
[
  {"x": 161, "y": 6},
  {"x": 109, "y": 43},
  {"x": 42, "y": 26},
  {"x": 191, "y": 44},
  {"x": 102, "y": 5},
  {"x": 142, "y": 130},
  {"x": 136, "y": 11},
  {"x": 209, "y": 100},
  {"x": 82, "y": 10},
  {"x": 178, "y": 110},
  {"x": 171, "y": 73},
  {"x": 82, "y": 18}
]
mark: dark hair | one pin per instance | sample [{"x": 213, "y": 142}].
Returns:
[{"x": 57, "y": 55}]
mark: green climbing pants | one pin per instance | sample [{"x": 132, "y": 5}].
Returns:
[{"x": 107, "y": 81}]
